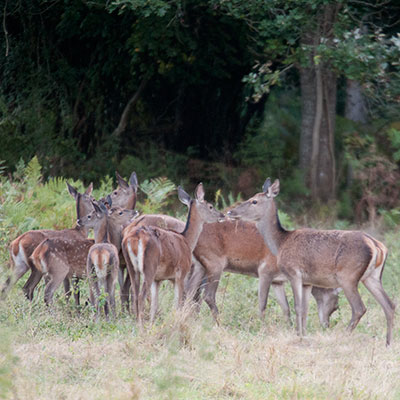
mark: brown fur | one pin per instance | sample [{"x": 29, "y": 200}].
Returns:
[
  {"x": 329, "y": 259},
  {"x": 23, "y": 246}
]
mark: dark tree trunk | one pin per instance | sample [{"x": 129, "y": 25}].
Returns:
[
  {"x": 355, "y": 103},
  {"x": 318, "y": 94}
]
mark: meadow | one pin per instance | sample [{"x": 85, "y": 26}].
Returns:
[{"x": 60, "y": 353}]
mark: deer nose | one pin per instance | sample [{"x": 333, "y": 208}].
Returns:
[{"x": 78, "y": 221}]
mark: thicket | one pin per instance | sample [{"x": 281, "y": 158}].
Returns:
[{"x": 215, "y": 88}]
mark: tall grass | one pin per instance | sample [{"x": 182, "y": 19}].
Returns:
[{"x": 63, "y": 354}]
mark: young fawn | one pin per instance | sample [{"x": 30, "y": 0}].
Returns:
[
  {"x": 103, "y": 258},
  {"x": 158, "y": 254}
]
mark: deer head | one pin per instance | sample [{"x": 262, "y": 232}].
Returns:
[
  {"x": 255, "y": 208},
  {"x": 84, "y": 201},
  {"x": 206, "y": 210}
]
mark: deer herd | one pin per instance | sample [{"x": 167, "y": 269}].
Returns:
[{"x": 248, "y": 240}]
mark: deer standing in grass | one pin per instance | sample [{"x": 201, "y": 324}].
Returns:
[
  {"x": 125, "y": 197},
  {"x": 23, "y": 246},
  {"x": 325, "y": 258},
  {"x": 236, "y": 247},
  {"x": 103, "y": 259},
  {"x": 158, "y": 254}
]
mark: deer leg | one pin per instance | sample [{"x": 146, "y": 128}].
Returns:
[
  {"x": 141, "y": 301},
  {"x": 111, "y": 290},
  {"x": 306, "y": 301},
  {"x": 154, "y": 300},
  {"x": 210, "y": 291},
  {"x": 327, "y": 302},
  {"x": 31, "y": 283},
  {"x": 17, "y": 273},
  {"x": 357, "y": 306},
  {"x": 193, "y": 283},
  {"x": 374, "y": 285},
  {"x": 297, "y": 287},
  {"x": 264, "y": 283},
  {"x": 126, "y": 291},
  {"x": 75, "y": 289},
  {"x": 52, "y": 285},
  {"x": 280, "y": 295}
]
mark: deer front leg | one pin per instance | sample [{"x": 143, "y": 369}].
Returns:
[
  {"x": 305, "y": 301},
  {"x": 297, "y": 287},
  {"x": 52, "y": 285},
  {"x": 210, "y": 291},
  {"x": 264, "y": 283}
]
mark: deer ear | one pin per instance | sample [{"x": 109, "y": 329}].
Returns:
[
  {"x": 273, "y": 190},
  {"x": 183, "y": 196},
  {"x": 72, "y": 191},
  {"x": 199, "y": 193},
  {"x": 97, "y": 207},
  {"x": 122, "y": 183},
  {"x": 109, "y": 201},
  {"x": 89, "y": 189},
  {"x": 133, "y": 181},
  {"x": 266, "y": 185},
  {"x": 102, "y": 208}
]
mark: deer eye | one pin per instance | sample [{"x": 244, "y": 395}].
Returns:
[
  {"x": 120, "y": 213},
  {"x": 115, "y": 193},
  {"x": 210, "y": 207},
  {"x": 88, "y": 217},
  {"x": 254, "y": 202}
]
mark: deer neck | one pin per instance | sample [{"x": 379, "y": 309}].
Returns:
[
  {"x": 194, "y": 226},
  {"x": 100, "y": 232},
  {"x": 271, "y": 230},
  {"x": 114, "y": 232},
  {"x": 82, "y": 230}
]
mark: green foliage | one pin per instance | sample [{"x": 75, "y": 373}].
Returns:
[
  {"x": 270, "y": 144},
  {"x": 158, "y": 191},
  {"x": 7, "y": 363}
]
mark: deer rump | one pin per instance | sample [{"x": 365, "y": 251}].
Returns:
[{"x": 159, "y": 253}]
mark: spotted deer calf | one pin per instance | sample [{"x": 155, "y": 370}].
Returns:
[
  {"x": 325, "y": 258},
  {"x": 158, "y": 254},
  {"x": 23, "y": 246},
  {"x": 103, "y": 260}
]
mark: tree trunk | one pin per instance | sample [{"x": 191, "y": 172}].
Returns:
[
  {"x": 355, "y": 103},
  {"x": 318, "y": 95}
]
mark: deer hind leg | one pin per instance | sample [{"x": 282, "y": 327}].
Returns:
[
  {"x": 19, "y": 270},
  {"x": 31, "y": 283},
  {"x": 52, "y": 285},
  {"x": 374, "y": 285},
  {"x": 111, "y": 280},
  {"x": 154, "y": 300},
  {"x": 357, "y": 306},
  {"x": 210, "y": 291}
]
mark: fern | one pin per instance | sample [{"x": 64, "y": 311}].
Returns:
[
  {"x": 33, "y": 172},
  {"x": 157, "y": 190}
]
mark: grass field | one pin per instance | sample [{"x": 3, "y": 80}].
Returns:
[{"x": 66, "y": 355}]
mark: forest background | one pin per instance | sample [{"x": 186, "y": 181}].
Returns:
[{"x": 226, "y": 92}]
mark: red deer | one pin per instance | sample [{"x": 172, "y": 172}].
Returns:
[
  {"x": 23, "y": 246},
  {"x": 235, "y": 247},
  {"x": 103, "y": 260},
  {"x": 325, "y": 258},
  {"x": 159, "y": 254}
]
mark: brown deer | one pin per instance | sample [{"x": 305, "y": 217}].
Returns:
[
  {"x": 23, "y": 246},
  {"x": 103, "y": 259},
  {"x": 159, "y": 254},
  {"x": 325, "y": 258},
  {"x": 236, "y": 247}
]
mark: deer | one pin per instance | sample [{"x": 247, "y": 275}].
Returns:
[
  {"x": 238, "y": 247},
  {"x": 159, "y": 254},
  {"x": 103, "y": 258},
  {"x": 125, "y": 197},
  {"x": 23, "y": 246},
  {"x": 325, "y": 258},
  {"x": 235, "y": 247}
]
